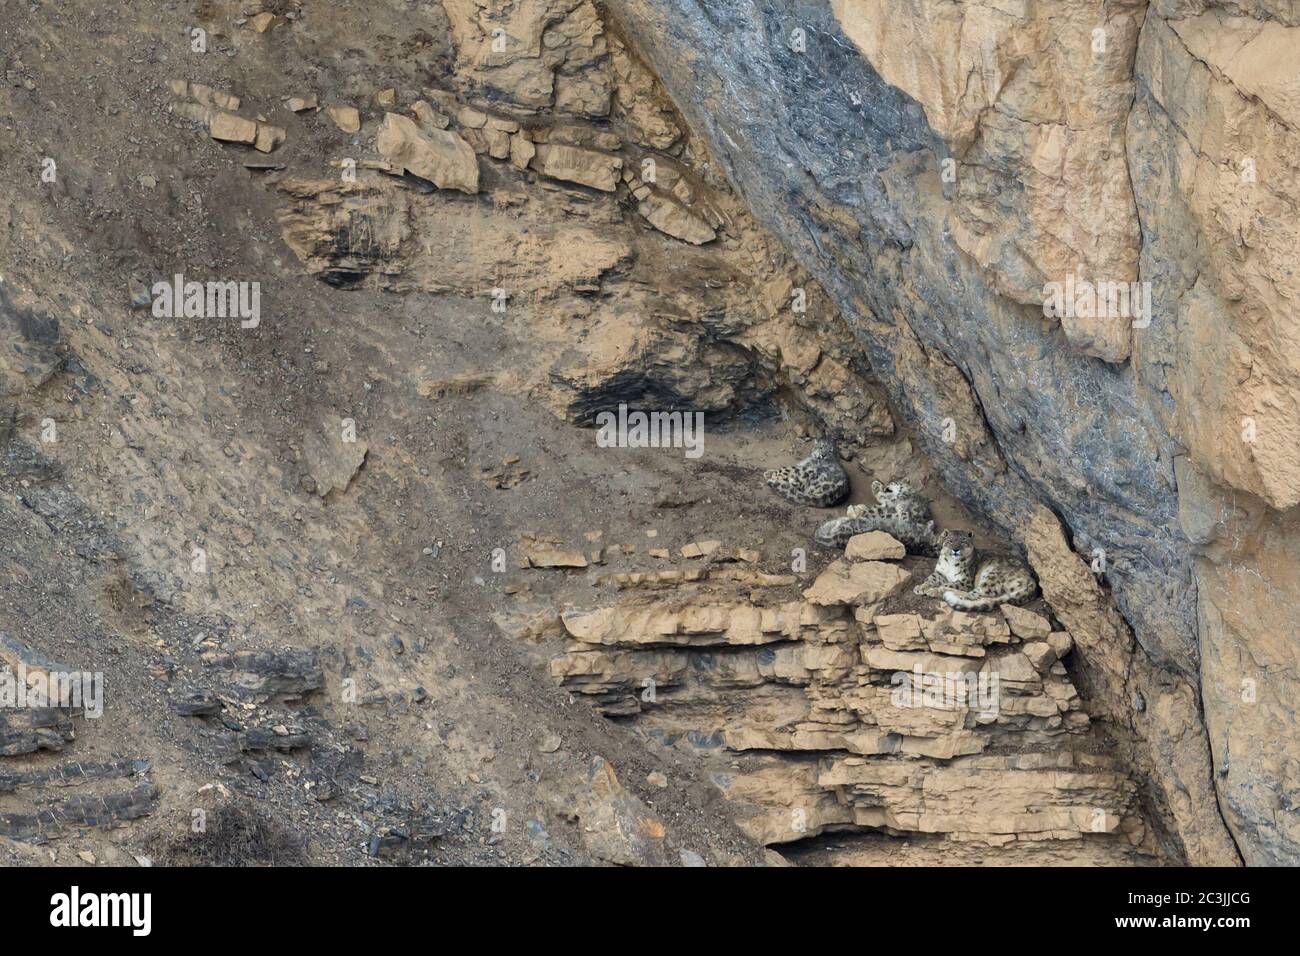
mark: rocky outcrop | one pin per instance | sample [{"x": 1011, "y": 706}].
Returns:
[
  {"x": 439, "y": 156},
  {"x": 937, "y": 167},
  {"x": 859, "y": 708}
]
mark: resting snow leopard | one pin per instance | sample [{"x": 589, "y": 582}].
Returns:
[
  {"x": 971, "y": 582},
  {"x": 818, "y": 480},
  {"x": 899, "y": 511}
]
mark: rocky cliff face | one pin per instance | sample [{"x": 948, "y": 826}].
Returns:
[
  {"x": 937, "y": 166},
  {"x": 1034, "y": 258}
]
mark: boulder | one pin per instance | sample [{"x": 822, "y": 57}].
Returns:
[
  {"x": 576, "y": 165},
  {"x": 438, "y": 155},
  {"x": 673, "y": 219},
  {"x": 859, "y": 582},
  {"x": 874, "y": 546}
]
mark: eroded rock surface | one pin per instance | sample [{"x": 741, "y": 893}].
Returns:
[
  {"x": 935, "y": 165},
  {"x": 850, "y": 709}
]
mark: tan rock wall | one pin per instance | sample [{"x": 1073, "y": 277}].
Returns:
[{"x": 1168, "y": 154}]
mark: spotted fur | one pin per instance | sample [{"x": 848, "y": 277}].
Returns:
[
  {"x": 898, "y": 511},
  {"x": 970, "y": 581},
  {"x": 819, "y": 480}
]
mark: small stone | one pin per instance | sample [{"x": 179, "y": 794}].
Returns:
[
  {"x": 87, "y": 857},
  {"x": 296, "y": 104},
  {"x": 537, "y": 833},
  {"x": 1040, "y": 654},
  {"x": 700, "y": 549},
  {"x": 547, "y": 554},
  {"x": 1061, "y": 643},
  {"x": 426, "y": 115},
  {"x": 345, "y": 118},
  {"x": 874, "y": 546},
  {"x": 230, "y": 128},
  {"x": 386, "y": 99},
  {"x": 263, "y": 22},
  {"x": 549, "y": 742},
  {"x": 268, "y": 137},
  {"x": 498, "y": 143},
  {"x": 471, "y": 118},
  {"x": 657, "y": 779},
  {"x": 1026, "y": 625},
  {"x": 521, "y": 151},
  {"x": 691, "y": 858}
]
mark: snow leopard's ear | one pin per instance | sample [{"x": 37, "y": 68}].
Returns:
[{"x": 877, "y": 488}]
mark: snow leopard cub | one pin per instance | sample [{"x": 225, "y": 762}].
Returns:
[
  {"x": 899, "y": 511},
  {"x": 819, "y": 480}
]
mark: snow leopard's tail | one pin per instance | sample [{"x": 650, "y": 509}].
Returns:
[{"x": 1015, "y": 593}]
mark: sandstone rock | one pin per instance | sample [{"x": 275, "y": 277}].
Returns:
[
  {"x": 498, "y": 143},
  {"x": 575, "y": 165},
  {"x": 546, "y": 553},
  {"x": 297, "y": 104},
  {"x": 439, "y": 156},
  {"x": 1070, "y": 158},
  {"x": 645, "y": 105},
  {"x": 522, "y": 150},
  {"x": 673, "y": 219},
  {"x": 471, "y": 118},
  {"x": 386, "y": 99},
  {"x": 731, "y": 622},
  {"x": 268, "y": 137},
  {"x": 428, "y": 117},
  {"x": 1178, "y": 761},
  {"x": 233, "y": 129},
  {"x": 899, "y": 632},
  {"x": 700, "y": 549},
  {"x": 333, "y": 455},
  {"x": 861, "y": 582},
  {"x": 555, "y": 55},
  {"x": 1060, "y": 642},
  {"x": 874, "y": 546},
  {"x": 205, "y": 95},
  {"x": 1041, "y": 654},
  {"x": 823, "y": 689},
  {"x": 345, "y": 118},
  {"x": 1025, "y": 624},
  {"x": 262, "y": 22},
  {"x": 616, "y": 826}
]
